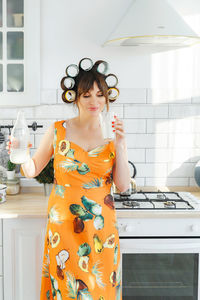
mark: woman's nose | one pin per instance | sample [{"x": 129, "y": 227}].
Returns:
[{"x": 94, "y": 100}]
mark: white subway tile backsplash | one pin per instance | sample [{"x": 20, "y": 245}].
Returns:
[
  {"x": 132, "y": 95},
  {"x": 140, "y": 181},
  {"x": 184, "y": 111},
  {"x": 184, "y": 140},
  {"x": 165, "y": 95},
  {"x": 162, "y": 129},
  {"x": 44, "y": 122},
  {"x": 169, "y": 155},
  {"x": 134, "y": 126},
  {"x": 177, "y": 181},
  {"x": 136, "y": 155},
  {"x": 146, "y": 140},
  {"x": 151, "y": 170},
  {"x": 146, "y": 111},
  {"x": 189, "y": 125},
  {"x": 180, "y": 169},
  {"x": 192, "y": 182},
  {"x": 152, "y": 181}
]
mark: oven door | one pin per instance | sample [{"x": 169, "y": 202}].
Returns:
[{"x": 160, "y": 268}]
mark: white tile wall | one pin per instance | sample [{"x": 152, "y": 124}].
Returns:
[{"x": 162, "y": 130}]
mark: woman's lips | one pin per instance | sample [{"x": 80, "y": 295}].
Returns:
[{"x": 93, "y": 108}]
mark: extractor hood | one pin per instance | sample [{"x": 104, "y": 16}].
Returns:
[{"x": 154, "y": 23}]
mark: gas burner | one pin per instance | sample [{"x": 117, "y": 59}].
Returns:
[
  {"x": 169, "y": 204},
  {"x": 155, "y": 200},
  {"x": 131, "y": 203},
  {"x": 160, "y": 196}
]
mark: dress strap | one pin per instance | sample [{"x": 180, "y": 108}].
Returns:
[{"x": 59, "y": 133}]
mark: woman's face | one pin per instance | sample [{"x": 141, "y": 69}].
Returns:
[{"x": 92, "y": 102}]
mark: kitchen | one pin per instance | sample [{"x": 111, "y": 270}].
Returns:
[{"x": 159, "y": 105}]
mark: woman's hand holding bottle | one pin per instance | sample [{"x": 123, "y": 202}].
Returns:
[{"x": 13, "y": 143}]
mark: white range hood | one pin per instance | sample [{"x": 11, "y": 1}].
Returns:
[{"x": 150, "y": 23}]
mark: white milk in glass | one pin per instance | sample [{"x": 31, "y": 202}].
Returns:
[
  {"x": 106, "y": 119},
  {"x": 20, "y": 138}
]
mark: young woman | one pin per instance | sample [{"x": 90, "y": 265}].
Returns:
[{"x": 81, "y": 249}]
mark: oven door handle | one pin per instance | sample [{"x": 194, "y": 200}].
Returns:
[{"x": 160, "y": 245}]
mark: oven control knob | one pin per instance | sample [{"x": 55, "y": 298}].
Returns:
[
  {"x": 129, "y": 228},
  {"x": 195, "y": 228}
]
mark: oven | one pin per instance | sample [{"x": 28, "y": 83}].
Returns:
[
  {"x": 160, "y": 269},
  {"x": 160, "y": 253}
]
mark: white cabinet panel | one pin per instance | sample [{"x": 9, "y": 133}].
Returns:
[
  {"x": 1, "y": 261},
  {"x": 20, "y": 62},
  {"x": 1, "y": 232},
  {"x": 1, "y": 288},
  {"x": 23, "y": 242}
]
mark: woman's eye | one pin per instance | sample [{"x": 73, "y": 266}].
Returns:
[
  {"x": 100, "y": 95},
  {"x": 86, "y": 96}
]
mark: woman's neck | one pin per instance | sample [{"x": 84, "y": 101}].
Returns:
[{"x": 87, "y": 123}]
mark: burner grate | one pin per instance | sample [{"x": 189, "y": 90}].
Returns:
[{"x": 152, "y": 200}]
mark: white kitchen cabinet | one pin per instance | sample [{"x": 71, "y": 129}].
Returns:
[
  {"x": 1, "y": 288},
  {"x": 1, "y": 263},
  {"x": 19, "y": 52},
  {"x": 0, "y": 232},
  {"x": 23, "y": 242}
]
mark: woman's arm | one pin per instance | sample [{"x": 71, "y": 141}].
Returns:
[
  {"x": 121, "y": 170},
  {"x": 40, "y": 159}
]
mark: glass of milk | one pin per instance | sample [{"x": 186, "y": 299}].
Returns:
[
  {"x": 106, "y": 119},
  {"x": 20, "y": 139}
]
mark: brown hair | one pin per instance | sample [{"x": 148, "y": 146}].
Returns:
[{"x": 85, "y": 81}]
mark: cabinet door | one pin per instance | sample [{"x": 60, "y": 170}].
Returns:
[
  {"x": 1, "y": 288},
  {"x": 19, "y": 52},
  {"x": 23, "y": 244}
]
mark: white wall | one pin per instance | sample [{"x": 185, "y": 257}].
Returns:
[
  {"x": 160, "y": 93},
  {"x": 75, "y": 29}
]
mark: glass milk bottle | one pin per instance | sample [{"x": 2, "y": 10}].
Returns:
[{"x": 20, "y": 138}]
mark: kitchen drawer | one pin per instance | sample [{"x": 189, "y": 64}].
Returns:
[
  {"x": 1, "y": 230},
  {"x": 1, "y": 261},
  {"x": 1, "y": 288}
]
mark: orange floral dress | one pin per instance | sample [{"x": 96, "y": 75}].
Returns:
[{"x": 81, "y": 257}]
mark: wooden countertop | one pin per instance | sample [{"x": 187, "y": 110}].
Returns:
[{"x": 32, "y": 203}]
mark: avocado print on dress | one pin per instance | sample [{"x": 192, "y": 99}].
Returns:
[
  {"x": 83, "y": 252},
  {"x": 115, "y": 279},
  {"x": 77, "y": 289},
  {"x": 54, "y": 239},
  {"x": 91, "y": 209},
  {"x": 99, "y": 245},
  {"x": 65, "y": 149}
]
